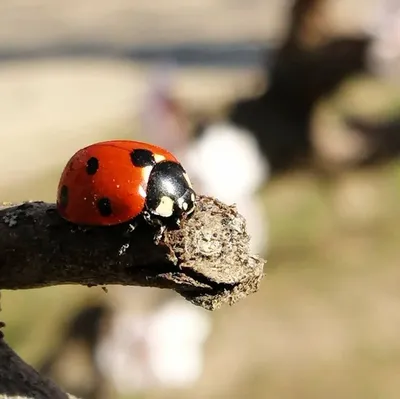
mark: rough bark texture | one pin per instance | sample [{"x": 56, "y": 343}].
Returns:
[{"x": 207, "y": 260}]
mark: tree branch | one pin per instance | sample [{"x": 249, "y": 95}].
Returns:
[
  {"x": 207, "y": 260},
  {"x": 18, "y": 380}
]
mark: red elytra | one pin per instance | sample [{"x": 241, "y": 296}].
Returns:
[{"x": 105, "y": 183}]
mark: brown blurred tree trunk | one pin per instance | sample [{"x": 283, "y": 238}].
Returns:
[
  {"x": 307, "y": 27},
  {"x": 309, "y": 65}
]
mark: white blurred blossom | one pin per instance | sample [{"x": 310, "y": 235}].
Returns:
[{"x": 161, "y": 348}]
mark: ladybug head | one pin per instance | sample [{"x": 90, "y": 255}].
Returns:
[{"x": 169, "y": 191}]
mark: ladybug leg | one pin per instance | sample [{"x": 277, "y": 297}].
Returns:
[
  {"x": 158, "y": 224},
  {"x": 131, "y": 228},
  {"x": 147, "y": 217},
  {"x": 159, "y": 233},
  {"x": 160, "y": 228},
  {"x": 123, "y": 249}
]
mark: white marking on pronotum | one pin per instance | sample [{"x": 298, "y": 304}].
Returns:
[
  {"x": 166, "y": 207},
  {"x": 189, "y": 211},
  {"x": 185, "y": 175},
  {"x": 146, "y": 172},
  {"x": 158, "y": 158},
  {"x": 142, "y": 192}
]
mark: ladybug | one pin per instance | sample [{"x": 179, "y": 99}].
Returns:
[{"x": 118, "y": 181}]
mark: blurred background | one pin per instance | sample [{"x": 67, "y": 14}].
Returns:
[{"x": 291, "y": 110}]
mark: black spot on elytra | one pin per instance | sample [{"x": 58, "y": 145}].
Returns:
[
  {"x": 104, "y": 206},
  {"x": 63, "y": 200},
  {"x": 142, "y": 158},
  {"x": 92, "y": 166}
]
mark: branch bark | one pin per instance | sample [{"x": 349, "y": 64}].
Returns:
[
  {"x": 18, "y": 380},
  {"x": 207, "y": 260}
]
